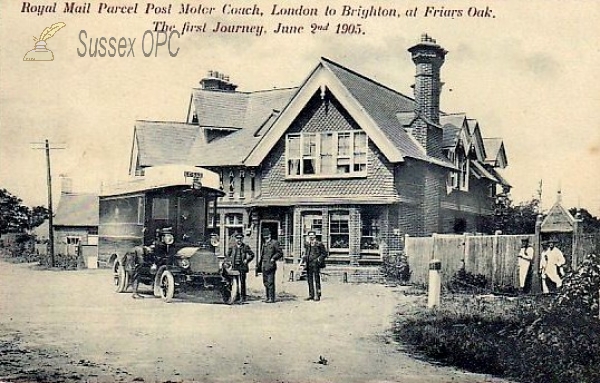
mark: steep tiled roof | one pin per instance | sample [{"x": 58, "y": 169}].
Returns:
[
  {"x": 492, "y": 148},
  {"x": 220, "y": 108},
  {"x": 383, "y": 105},
  {"x": 455, "y": 119},
  {"x": 77, "y": 210},
  {"x": 451, "y": 134},
  {"x": 261, "y": 109},
  {"x": 237, "y": 109},
  {"x": 163, "y": 143}
]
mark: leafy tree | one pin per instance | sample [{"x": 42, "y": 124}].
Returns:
[
  {"x": 513, "y": 219},
  {"x": 591, "y": 224},
  {"x": 520, "y": 219},
  {"x": 16, "y": 217},
  {"x": 38, "y": 214}
]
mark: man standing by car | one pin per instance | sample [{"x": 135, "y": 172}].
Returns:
[
  {"x": 314, "y": 259},
  {"x": 269, "y": 255},
  {"x": 240, "y": 255}
]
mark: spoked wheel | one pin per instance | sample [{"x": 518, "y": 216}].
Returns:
[
  {"x": 167, "y": 286},
  {"x": 121, "y": 278},
  {"x": 231, "y": 291},
  {"x": 157, "y": 284}
]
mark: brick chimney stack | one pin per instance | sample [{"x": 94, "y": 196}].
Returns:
[
  {"x": 217, "y": 81},
  {"x": 428, "y": 57}
]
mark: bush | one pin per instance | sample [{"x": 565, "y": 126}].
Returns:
[
  {"x": 581, "y": 288},
  {"x": 525, "y": 338},
  {"x": 466, "y": 282}
]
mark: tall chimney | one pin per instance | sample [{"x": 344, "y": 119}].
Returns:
[
  {"x": 428, "y": 57},
  {"x": 217, "y": 81}
]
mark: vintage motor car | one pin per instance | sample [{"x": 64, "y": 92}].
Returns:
[
  {"x": 171, "y": 268},
  {"x": 158, "y": 226}
]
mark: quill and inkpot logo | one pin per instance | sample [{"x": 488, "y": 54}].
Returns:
[{"x": 40, "y": 52}]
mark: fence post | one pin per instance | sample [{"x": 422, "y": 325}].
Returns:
[
  {"x": 536, "y": 281},
  {"x": 435, "y": 283},
  {"x": 494, "y": 258}
]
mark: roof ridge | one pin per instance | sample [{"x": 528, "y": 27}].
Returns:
[
  {"x": 246, "y": 92},
  {"x": 166, "y": 122},
  {"x": 365, "y": 77}
]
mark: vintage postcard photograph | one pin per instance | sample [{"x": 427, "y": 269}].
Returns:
[{"x": 299, "y": 191}]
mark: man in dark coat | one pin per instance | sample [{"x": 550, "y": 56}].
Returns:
[
  {"x": 240, "y": 255},
  {"x": 269, "y": 255},
  {"x": 314, "y": 259}
]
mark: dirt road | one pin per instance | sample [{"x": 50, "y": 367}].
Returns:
[{"x": 70, "y": 326}]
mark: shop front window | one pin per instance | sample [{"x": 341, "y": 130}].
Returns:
[
  {"x": 339, "y": 231},
  {"x": 369, "y": 239},
  {"x": 312, "y": 221}
]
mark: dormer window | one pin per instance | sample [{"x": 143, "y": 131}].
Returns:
[{"x": 326, "y": 154}]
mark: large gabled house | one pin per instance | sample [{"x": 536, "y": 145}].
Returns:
[{"x": 358, "y": 162}]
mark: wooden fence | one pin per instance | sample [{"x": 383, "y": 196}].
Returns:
[{"x": 494, "y": 256}]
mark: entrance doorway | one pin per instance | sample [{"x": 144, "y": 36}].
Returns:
[{"x": 273, "y": 227}]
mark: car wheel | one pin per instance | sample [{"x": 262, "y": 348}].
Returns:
[
  {"x": 231, "y": 292},
  {"x": 167, "y": 286},
  {"x": 121, "y": 278},
  {"x": 157, "y": 281}
]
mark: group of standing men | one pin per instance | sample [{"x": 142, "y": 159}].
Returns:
[
  {"x": 551, "y": 269},
  {"x": 240, "y": 255}
]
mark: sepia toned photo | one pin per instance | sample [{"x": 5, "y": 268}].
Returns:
[{"x": 297, "y": 191}]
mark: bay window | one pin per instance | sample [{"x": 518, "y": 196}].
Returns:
[{"x": 326, "y": 154}]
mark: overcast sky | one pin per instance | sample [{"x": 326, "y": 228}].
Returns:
[{"x": 529, "y": 75}]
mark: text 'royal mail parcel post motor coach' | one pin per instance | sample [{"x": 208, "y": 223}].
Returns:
[{"x": 157, "y": 226}]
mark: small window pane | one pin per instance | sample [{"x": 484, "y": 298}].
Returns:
[{"x": 160, "y": 208}]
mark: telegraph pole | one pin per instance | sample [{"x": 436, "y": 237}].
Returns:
[
  {"x": 50, "y": 210},
  {"x": 50, "y": 218}
]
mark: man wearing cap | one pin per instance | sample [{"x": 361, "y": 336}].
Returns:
[
  {"x": 269, "y": 255},
  {"x": 525, "y": 258},
  {"x": 314, "y": 259},
  {"x": 239, "y": 255},
  {"x": 551, "y": 263}
]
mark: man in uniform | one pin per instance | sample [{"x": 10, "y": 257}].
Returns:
[
  {"x": 269, "y": 255},
  {"x": 314, "y": 259},
  {"x": 240, "y": 255}
]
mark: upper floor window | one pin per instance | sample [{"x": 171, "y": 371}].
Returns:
[
  {"x": 458, "y": 179},
  {"x": 326, "y": 154}
]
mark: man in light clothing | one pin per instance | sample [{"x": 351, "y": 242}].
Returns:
[
  {"x": 551, "y": 263},
  {"x": 525, "y": 258}
]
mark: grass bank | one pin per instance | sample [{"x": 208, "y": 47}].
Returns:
[{"x": 519, "y": 338}]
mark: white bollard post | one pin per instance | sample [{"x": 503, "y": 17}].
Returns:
[{"x": 435, "y": 283}]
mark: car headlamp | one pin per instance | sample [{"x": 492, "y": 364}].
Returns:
[
  {"x": 168, "y": 239},
  {"x": 184, "y": 263}
]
